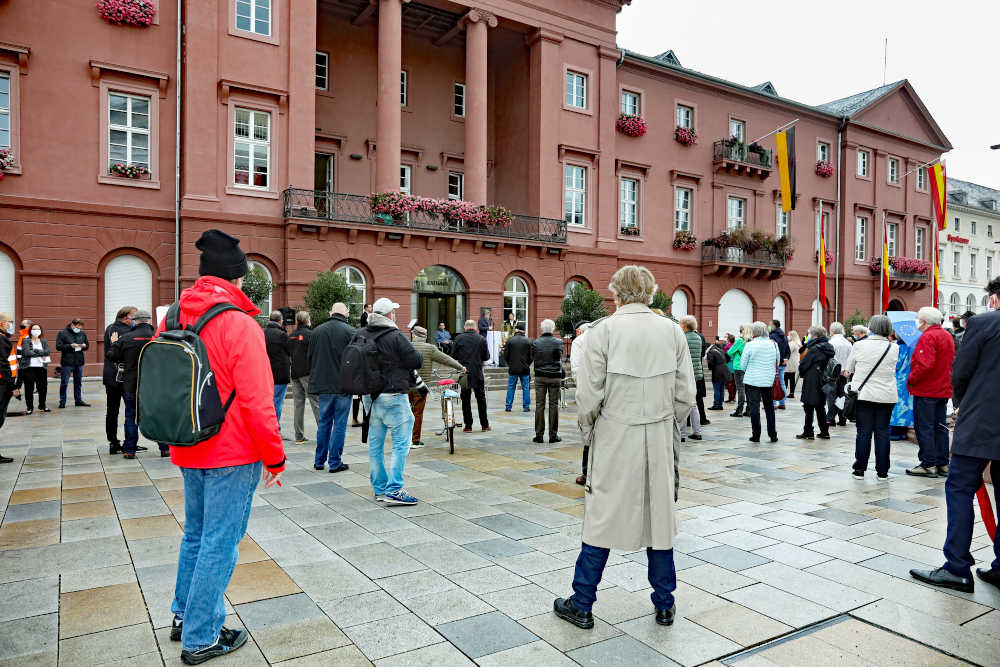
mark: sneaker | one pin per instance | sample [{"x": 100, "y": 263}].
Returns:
[
  {"x": 62, "y": 405},
  {"x": 128, "y": 455},
  {"x": 942, "y": 471},
  {"x": 400, "y": 497},
  {"x": 140, "y": 448},
  {"x": 506, "y": 409},
  {"x": 302, "y": 441},
  {"x": 921, "y": 471},
  {"x": 858, "y": 474},
  {"x": 114, "y": 448},
  {"x": 417, "y": 445},
  {"x": 695, "y": 437},
  {"x": 716, "y": 407},
  {"x": 341, "y": 468},
  {"x": 526, "y": 410},
  {"x": 176, "y": 627},
  {"x": 379, "y": 498},
  {"x": 28, "y": 412},
  {"x": 44, "y": 409},
  {"x": 6, "y": 459},
  {"x": 228, "y": 641},
  {"x": 467, "y": 429},
  {"x": 486, "y": 428}
]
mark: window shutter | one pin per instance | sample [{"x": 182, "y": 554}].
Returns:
[{"x": 128, "y": 281}]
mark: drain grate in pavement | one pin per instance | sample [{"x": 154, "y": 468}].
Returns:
[{"x": 742, "y": 656}]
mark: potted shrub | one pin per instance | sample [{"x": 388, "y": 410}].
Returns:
[
  {"x": 685, "y": 241},
  {"x": 829, "y": 257},
  {"x": 127, "y": 12},
  {"x": 629, "y": 230},
  {"x": 632, "y": 125},
  {"x": 824, "y": 168},
  {"x": 685, "y": 136},
  {"x": 757, "y": 148}
]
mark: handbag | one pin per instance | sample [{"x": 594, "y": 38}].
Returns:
[
  {"x": 778, "y": 386},
  {"x": 851, "y": 399}
]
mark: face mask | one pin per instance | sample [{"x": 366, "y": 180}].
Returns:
[
  {"x": 36, "y": 332},
  {"x": 76, "y": 329}
]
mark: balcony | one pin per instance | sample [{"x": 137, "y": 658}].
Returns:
[
  {"x": 904, "y": 273},
  {"x": 908, "y": 281},
  {"x": 348, "y": 209},
  {"x": 734, "y": 262},
  {"x": 736, "y": 157}
]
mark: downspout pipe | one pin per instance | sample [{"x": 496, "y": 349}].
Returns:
[
  {"x": 621, "y": 59},
  {"x": 177, "y": 160},
  {"x": 840, "y": 221}
]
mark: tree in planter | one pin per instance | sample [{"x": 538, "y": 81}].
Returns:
[
  {"x": 856, "y": 319},
  {"x": 258, "y": 288},
  {"x": 330, "y": 288},
  {"x": 661, "y": 301},
  {"x": 581, "y": 305}
]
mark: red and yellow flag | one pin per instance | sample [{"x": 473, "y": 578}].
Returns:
[
  {"x": 937, "y": 275},
  {"x": 822, "y": 262},
  {"x": 939, "y": 186},
  {"x": 885, "y": 266},
  {"x": 785, "y": 141}
]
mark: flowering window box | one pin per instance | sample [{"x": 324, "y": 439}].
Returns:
[
  {"x": 127, "y": 12},
  {"x": 6, "y": 161},
  {"x": 392, "y": 206},
  {"x": 685, "y": 241},
  {"x": 631, "y": 125},
  {"x": 685, "y": 136},
  {"x": 133, "y": 171},
  {"x": 824, "y": 168},
  {"x": 829, "y": 258},
  {"x": 629, "y": 230}
]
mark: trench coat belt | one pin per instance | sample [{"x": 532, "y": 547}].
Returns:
[{"x": 632, "y": 420}]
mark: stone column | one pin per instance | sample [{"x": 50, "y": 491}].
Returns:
[
  {"x": 476, "y": 94},
  {"x": 388, "y": 119}
]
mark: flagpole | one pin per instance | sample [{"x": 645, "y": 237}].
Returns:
[
  {"x": 775, "y": 130},
  {"x": 819, "y": 268},
  {"x": 881, "y": 279},
  {"x": 921, "y": 166}
]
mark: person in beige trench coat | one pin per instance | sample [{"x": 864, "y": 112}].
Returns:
[{"x": 636, "y": 382}]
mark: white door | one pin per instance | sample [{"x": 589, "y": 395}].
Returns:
[
  {"x": 7, "y": 304},
  {"x": 817, "y": 313},
  {"x": 779, "y": 312},
  {"x": 735, "y": 309},
  {"x": 679, "y": 304},
  {"x": 128, "y": 281}
]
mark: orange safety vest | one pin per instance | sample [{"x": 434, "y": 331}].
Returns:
[{"x": 12, "y": 359}]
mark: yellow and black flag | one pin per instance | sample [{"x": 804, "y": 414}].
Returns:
[{"x": 786, "y": 168}]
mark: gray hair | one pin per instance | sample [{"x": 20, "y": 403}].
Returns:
[
  {"x": 859, "y": 329},
  {"x": 633, "y": 284},
  {"x": 690, "y": 322},
  {"x": 930, "y": 315},
  {"x": 339, "y": 309},
  {"x": 302, "y": 317},
  {"x": 817, "y": 331},
  {"x": 469, "y": 324},
  {"x": 880, "y": 325},
  {"x": 837, "y": 328},
  {"x": 746, "y": 331},
  {"x": 547, "y": 326},
  {"x": 758, "y": 329},
  {"x": 276, "y": 316}
]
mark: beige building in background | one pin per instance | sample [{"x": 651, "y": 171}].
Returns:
[{"x": 968, "y": 247}]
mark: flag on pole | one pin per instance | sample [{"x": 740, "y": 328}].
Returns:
[
  {"x": 786, "y": 168},
  {"x": 885, "y": 265},
  {"x": 939, "y": 186},
  {"x": 822, "y": 262}
]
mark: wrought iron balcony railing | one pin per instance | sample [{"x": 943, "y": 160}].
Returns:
[
  {"x": 735, "y": 154},
  {"x": 737, "y": 262},
  {"x": 356, "y": 209}
]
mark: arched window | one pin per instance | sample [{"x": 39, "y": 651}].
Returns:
[
  {"x": 515, "y": 299},
  {"x": 128, "y": 281},
  {"x": 985, "y": 303},
  {"x": 7, "y": 292},
  {"x": 356, "y": 279},
  {"x": 956, "y": 303},
  {"x": 779, "y": 312},
  {"x": 265, "y": 305},
  {"x": 679, "y": 304},
  {"x": 571, "y": 285},
  {"x": 970, "y": 303},
  {"x": 735, "y": 309}
]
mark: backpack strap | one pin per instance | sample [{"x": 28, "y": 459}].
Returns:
[
  {"x": 210, "y": 314},
  {"x": 172, "y": 321}
]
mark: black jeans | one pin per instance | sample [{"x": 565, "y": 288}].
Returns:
[
  {"x": 547, "y": 389},
  {"x": 586, "y": 456},
  {"x": 700, "y": 399},
  {"x": 965, "y": 476},
  {"x": 116, "y": 394},
  {"x": 820, "y": 412},
  {"x": 590, "y": 566},
  {"x": 790, "y": 383},
  {"x": 77, "y": 373},
  {"x": 756, "y": 396},
  {"x": 873, "y": 418},
  {"x": 480, "y": 390},
  {"x": 740, "y": 390},
  {"x": 34, "y": 379}
]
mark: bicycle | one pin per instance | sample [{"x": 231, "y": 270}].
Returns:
[{"x": 448, "y": 397}]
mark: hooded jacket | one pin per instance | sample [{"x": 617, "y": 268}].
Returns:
[
  {"x": 276, "y": 344},
  {"x": 64, "y": 343},
  {"x": 781, "y": 340},
  {"x": 399, "y": 357},
  {"x": 126, "y": 351},
  {"x": 298, "y": 349},
  {"x": 930, "y": 368},
  {"x": 235, "y": 345},
  {"x": 818, "y": 351},
  {"x": 326, "y": 352}
]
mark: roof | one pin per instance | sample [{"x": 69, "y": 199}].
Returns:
[
  {"x": 975, "y": 196},
  {"x": 767, "y": 88},
  {"x": 669, "y": 57},
  {"x": 848, "y": 106}
]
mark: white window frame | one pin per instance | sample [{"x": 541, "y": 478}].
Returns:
[
  {"x": 355, "y": 277},
  {"x": 685, "y": 116},
  {"x": 5, "y": 111},
  {"x": 860, "y": 238},
  {"x": 628, "y": 202},
  {"x": 783, "y": 223},
  {"x": 736, "y": 213},
  {"x": 575, "y": 195},
  {"x": 989, "y": 231},
  {"x": 955, "y": 303},
  {"x": 458, "y": 100},
  {"x": 576, "y": 89},
  {"x": 404, "y": 87},
  {"x": 740, "y": 127},
  {"x": 864, "y": 163},
  {"x": 958, "y": 225},
  {"x": 893, "y": 170},
  {"x": 405, "y": 179},
  {"x": 268, "y": 303},
  {"x": 892, "y": 231},
  {"x": 456, "y": 186},
  {"x": 252, "y": 142},
  {"x": 631, "y": 103},
  {"x": 918, "y": 247},
  {"x": 252, "y": 6},
  {"x": 972, "y": 265},
  {"x": 956, "y": 264},
  {"x": 822, "y": 151},
  {"x": 989, "y": 266},
  {"x": 683, "y": 209},
  {"x": 130, "y": 130},
  {"x": 972, "y": 228},
  {"x": 323, "y": 67},
  {"x": 921, "y": 178},
  {"x": 519, "y": 299}
]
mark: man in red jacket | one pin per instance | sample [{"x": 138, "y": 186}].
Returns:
[
  {"x": 221, "y": 473},
  {"x": 930, "y": 385}
]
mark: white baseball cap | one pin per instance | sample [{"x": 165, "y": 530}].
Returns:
[{"x": 384, "y": 306}]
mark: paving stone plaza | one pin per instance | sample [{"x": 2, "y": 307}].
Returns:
[{"x": 783, "y": 558}]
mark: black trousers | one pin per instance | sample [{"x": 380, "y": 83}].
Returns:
[
  {"x": 820, "y": 412},
  {"x": 755, "y": 397},
  {"x": 5, "y": 395},
  {"x": 34, "y": 379},
  {"x": 700, "y": 399},
  {"x": 480, "y": 390},
  {"x": 116, "y": 395},
  {"x": 790, "y": 383}
]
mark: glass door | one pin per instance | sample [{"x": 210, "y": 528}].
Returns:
[{"x": 323, "y": 183}]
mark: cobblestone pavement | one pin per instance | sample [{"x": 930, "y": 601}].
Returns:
[{"x": 783, "y": 558}]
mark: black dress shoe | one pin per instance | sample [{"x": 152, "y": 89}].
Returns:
[
  {"x": 989, "y": 576},
  {"x": 62, "y": 405},
  {"x": 695, "y": 436},
  {"x": 176, "y": 628},
  {"x": 736, "y": 414},
  {"x": 229, "y": 641},
  {"x": 341, "y": 468},
  {"x": 945, "y": 579},
  {"x": 705, "y": 422},
  {"x": 754, "y": 439},
  {"x": 555, "y": 439},
  {"x": 823, "y": 436},
  {"x": 6, "y": 459},
  {"x": 774, "y": 439},
  {"x": 805, "y": 436},
  {"x": 114, "y": 448},
  {"x": 82, "y": 404},
  {"x": 666, "y": 616},
  {"x": 315, "y": 467},
  {"x": 567, "y": 611},
  {"x": 539, "y": 439}
]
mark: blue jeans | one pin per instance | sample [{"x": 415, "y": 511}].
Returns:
[
  {"x": 391, "y": 412},
  {"x": 873, "y": 418},
  {"x": 131, "y": 428},
  {"x": 718, "y": 393},
  {"x": 512, "y": 381},
  {"x": 333, "y": 411},
  {"x": 216, "y": 513},
  {"x": 781, "y": 374},
  {"x": 590, "y": 566},
  {"x": 77, "y": 373},
  {"x": 932, "y": 434},
  {"x": 965, "y": 475},
  {"x": 279, "y": 400}
]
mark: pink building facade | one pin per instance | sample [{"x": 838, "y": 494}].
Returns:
[{"x": 291, "y": 113}]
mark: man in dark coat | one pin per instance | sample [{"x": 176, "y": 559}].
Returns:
[
  {"x": 518, "y": 353},
  {"x": 7, "y": 379},
  {"x": 816, "y": 353},
  {"x": 485, "y": 322},
  {"x": 276, "y": 341},
  {"x": 72, "y": 342},
  {"x": 470, "y": 350},
  {"x": 718, "y": 364},
  {"x": 975, "y": 445},
  {"x": 125, "y": 351},
  {"x": 112, "y": 387},
  {"x": 547, "y": 355},
  {"x": 298, "y": 350},
  {"x": 784, "y": 352},
  {"x": 326, "y": 352}
]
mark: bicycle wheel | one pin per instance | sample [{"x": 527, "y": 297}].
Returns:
[{"x": 451, "y": 439}]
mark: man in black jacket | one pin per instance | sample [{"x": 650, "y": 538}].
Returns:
[
  {"x": 276, "y": 342},
  {"x": 548, "y": 352},
  {"x": 518, "y": 355},
  {"x": 470, "y": 350},
  {"x": 125, "y": 350},
  {"x": 112, "y": 387},
  {"x": 298, "y": 350},
  {"x": 326, "y": 351},
  {"x": 7, "y": 380},
  {"x": 976, "y": 444},
  {"x": 390, "y": 410},
  {"x": 72, "y": 341}
]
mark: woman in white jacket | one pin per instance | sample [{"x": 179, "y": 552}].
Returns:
[{"x": 874, "y": 358}]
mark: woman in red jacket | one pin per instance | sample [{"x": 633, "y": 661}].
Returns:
[{"x": 930, "y": 385}]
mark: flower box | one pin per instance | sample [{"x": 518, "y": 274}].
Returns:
[
  {"x": 685, "y": 136},
  {"x": 6, "y": 160},
  {"x": 130, "y": 171},
  {"x": 919, "y": 267},
  {"x": 829, "y": 258},
  {"x": 389, "y": 206},
  {"x": 127, "y": 12},
  {"x": 824, "y": 168},
  {"x": 685, "y": 241},
  {"x": 752, "y": 242},
  {"x": 629, "y": 231},
  {"x": 631, "y": 125}
]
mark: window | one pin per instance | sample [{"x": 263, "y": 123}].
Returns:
[
  {"x": 989, "y": 266},
  {"x": 252, "y": 149},
  {"x": 323, "y": 172},
  {"x": 322, "y": 70},
  {"x": 738, "y": 129},
  {"x": 576, "y": 90},
  {"x": 784, "y": 222},
  {"x": 128, "y": 130},
  {"x": 515, "y": 299},
  {"x": 628, "y": 213},
  {"x": 972, "y": 266},
  {"x": 458, "y": 105},
  {"x": 893, "y": 234},
  {"x": 736, "y": 213},
  {"x": 893, "y": 170},
  {"x": 405, "y": 178},
  {"x": 575, "y": 198},
  {"x": 956, "y": 303},
  {"x": 356, "y": 279},
  {"x": 863, "y": 158},
  {"x": 570, "y": 287},
  {"x": 403, "y": 87},
  {"x": 265, "y": 304},
  {"x": 682, "y": 209},
  {"x": 918, "y": 248},
  {"x": 972, "y": 227},
  {"x": 685, "y": 116},
  {"x": 921, "y": 178},
  {"x": 5, "y": 110},
  {"x": 128, "y": 281},
  {"x": 8, "y": 291},
  {"x": 456, "y": 185},
  {"x": 970, "y": 303},
  {"x": 958, "y": 225},
  {"x": 989, "y": 231},
  {"x": 986, "y": 301},
  {"x": 823, "y": 151},
  {"x": 956, "y": 260},
  {"x": 254, "y": 16},
  {"x": 630, "y": 102},
  {"x": 860, "y": 238},
  {"x": 825, "y": 217}
]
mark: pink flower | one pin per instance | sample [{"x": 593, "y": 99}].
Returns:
[
  {"x": 631, "y": 125},
  {"x": 127, "y": 12},
  {"x": 824, "y": 168},
  {"x": 686, "y": 136}
]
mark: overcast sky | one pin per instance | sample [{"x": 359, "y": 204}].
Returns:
[{"x": 950, "y": 52}]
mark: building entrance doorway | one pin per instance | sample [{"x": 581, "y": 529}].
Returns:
[
  {"x": 439, "y": 296},
  {"x": 434, "y": 308}
]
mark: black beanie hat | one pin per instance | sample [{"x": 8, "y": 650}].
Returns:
[{"x": 221, "y": 255}]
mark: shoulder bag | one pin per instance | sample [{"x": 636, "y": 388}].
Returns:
[
  {"x": 851, "y": 401},
  {"x": 778, "y": 386}
]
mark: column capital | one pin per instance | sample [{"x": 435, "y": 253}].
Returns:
[{"x": 481, "y": 15}]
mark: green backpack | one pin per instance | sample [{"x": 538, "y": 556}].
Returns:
[{"x": 177, "y": 399}]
